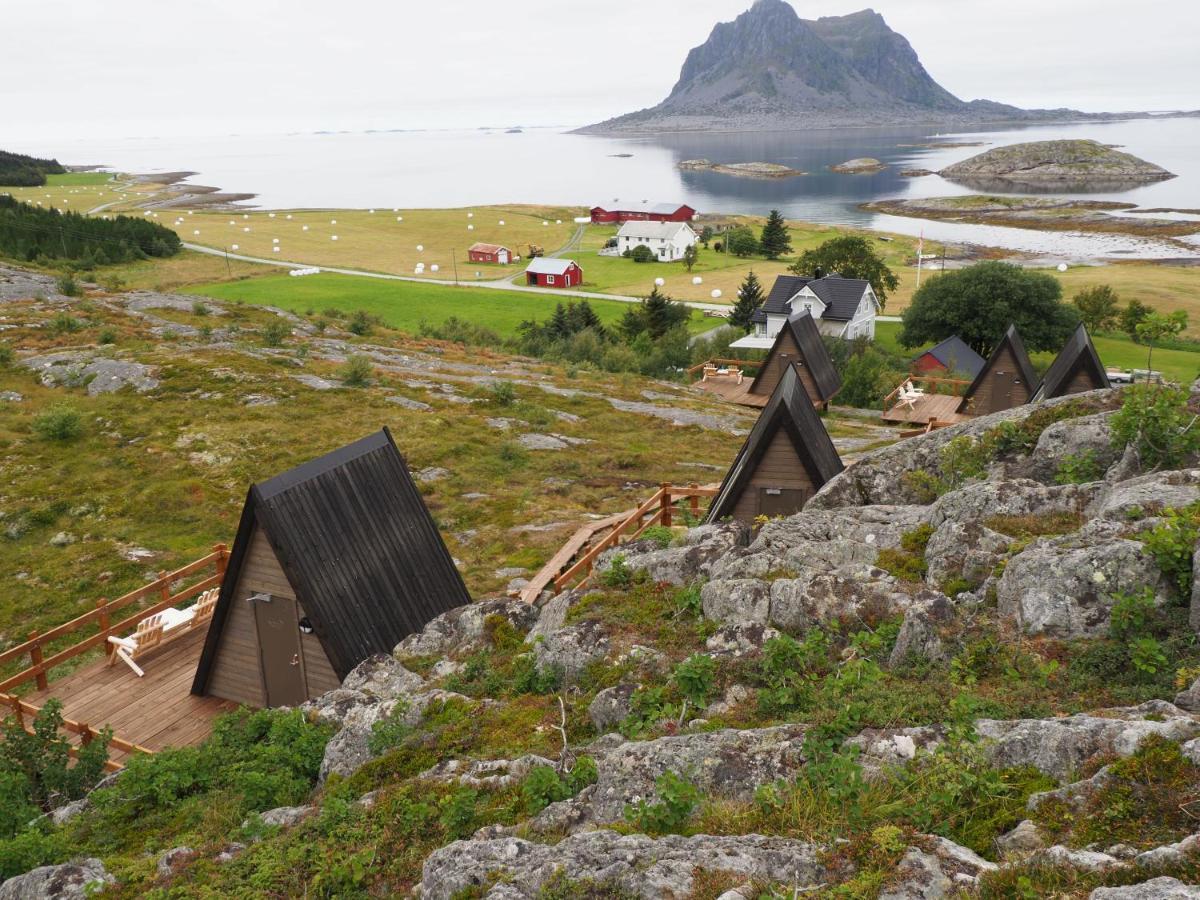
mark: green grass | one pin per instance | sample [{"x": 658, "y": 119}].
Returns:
[
  {"x": 75, "y": 178},
  {"x": 405, "y": 304},
  {"x": 1115, "y": 350}
]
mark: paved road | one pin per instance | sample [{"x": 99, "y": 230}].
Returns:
[{"x": 498, "y": 285}]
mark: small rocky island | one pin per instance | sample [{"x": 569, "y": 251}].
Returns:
[
  {"x": 745, "y": 170},
  {"x": 864, "y": 165},
  {"x": 1053, "y": 166}
]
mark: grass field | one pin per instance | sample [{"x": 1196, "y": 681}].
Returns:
[
  {"x": 405, "y": 304},
  {"x": 1116, "y": 351}
]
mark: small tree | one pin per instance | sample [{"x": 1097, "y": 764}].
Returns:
[
  {"x": 656, "y": 315},
  {"x": 690, "y": 255},
  {"x": 1157, "y": 327},
  {"x": 706, "y": 235},
  {"x": 61, "y": 422},
  {"x": 749, "y": 299},
  {"x": 42, "y": 758},
  {"x": 1097, "y": 307},
  {"x": 1156, "y": 421},
  {"x": 851, "y": 257},
  {"x": 640, "y": 254},
  {"x": 741, "y": 242},
  {"x": 1133, "y": 315},
  {"x": 775, "y": 240},
  {"x": 357, "y": 371}
]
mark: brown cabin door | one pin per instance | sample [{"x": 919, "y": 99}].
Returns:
[
  {"x": 774, "y": 502},
  {"x": 279, "y": 645}
]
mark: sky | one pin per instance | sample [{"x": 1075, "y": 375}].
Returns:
[{"x": 133, "y": 68}]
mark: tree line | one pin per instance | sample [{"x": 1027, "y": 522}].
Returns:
[
  {"x": 18, "y": 170},
  {"x": 32, "y": 234}
]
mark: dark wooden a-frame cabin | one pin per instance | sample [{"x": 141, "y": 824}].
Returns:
[
  {"x": 787, "y": 458},
  {"x": 799, "y": 346},
  {"x": 334, "y": 561},
  {"x": 1076, "y": 369},
  {"x": 1007, "y": 380}
]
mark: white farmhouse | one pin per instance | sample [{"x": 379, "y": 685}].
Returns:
[
  {"x": 842, "y": 307},
  {"x": 667, "y": 240}
]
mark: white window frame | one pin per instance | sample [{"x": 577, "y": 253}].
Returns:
[{"x": 549, "y": 279}]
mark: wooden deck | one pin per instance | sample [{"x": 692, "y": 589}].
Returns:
[
  {"x": 942, "y": 407},
  {"x": 728, "y": 389},
  {"x": 155, "y": 711}
]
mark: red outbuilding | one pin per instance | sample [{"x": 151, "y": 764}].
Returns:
[
  {"x": 556, "y": 273},
  {"x": 490, "y": 253},
  {"x": 643, "y": 212}
]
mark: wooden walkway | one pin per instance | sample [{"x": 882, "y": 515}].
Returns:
[
  {"x": 729, "y": 389},
  {"x": 942, "y": 407},
  {"x": 155, "y": 711}
]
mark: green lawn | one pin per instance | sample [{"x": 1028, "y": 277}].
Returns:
[
  {"x": 1117, "y": 351},
  {"x": 406, "y": 304},
  {"x": 76, "y": 178}
]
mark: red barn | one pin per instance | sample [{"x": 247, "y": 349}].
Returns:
[
  {"x": 556, "y": 273},
  {"x": 950, "y": 356},
  {"x": 643, "y": 212},
  {"x": 490, "y": 253}
]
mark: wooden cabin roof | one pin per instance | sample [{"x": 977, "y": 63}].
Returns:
[
  {"x": 790, "y": 409},
  {"x": 358, "y": 546},
  {"x": 804, "y": 331},
  {"x": 1079, "y": 353},
  {"x": 1011, "y": 340}
]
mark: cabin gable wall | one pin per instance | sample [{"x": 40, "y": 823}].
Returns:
[
  {"x": 780, "y": 467},
  {"x": 1002, "y": 387}
]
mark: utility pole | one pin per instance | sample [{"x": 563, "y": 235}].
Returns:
[
  {"x": 228, "y": 268},
  {"x": 454, "y": 259}
]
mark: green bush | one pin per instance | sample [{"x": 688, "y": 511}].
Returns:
[
  {"x": 659, "y": 534},
  {"x": 618, "y": 574},
  {"x": 1079, "y": 468},
  {"x": 357, "y": 371},
  {"x": 677, "y": 799},
  {"x": 1172, "y": 545},
  {"x": 696, "y": 677},
  {"x": 544, "y": 785},
  {"x": 61, "y": 422},
  {"x": 504, "y": 393},
  {"x": 275, "y": 332},
  {"x": 640, "y": 254},
  {"x": 67, "y": 285},
  {"x": 1156, "y": 422},
  {"x": 6, "y": 354},
  {"x": 64, "y": 323},
  {"x": 107, "y": 336},
  {"x": 362, "y": 322},
  {"x": 200, "y": 308}
]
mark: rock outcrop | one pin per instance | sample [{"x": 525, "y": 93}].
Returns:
[
  {"x": 75, "y": 879},
  {"x": 1054, "y": 165}
]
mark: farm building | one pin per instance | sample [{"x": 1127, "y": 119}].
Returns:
[
  {"x": 556, "y": 273},
  {"x": 667, "y": 240},
  {"x": 842, "y": 307},
  {"x": 490, "y": 253},
  {"x": 334, "y": 561},
  {"x": 646, "y": 211},
  {"x": 787, "y": 458},
  {"x": 1007, "y": 379},
  {"x": 1076, "y": 369},
  {"x": 951, "y": 355}
]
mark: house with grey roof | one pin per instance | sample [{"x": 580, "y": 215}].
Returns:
[
  {"x": 666, "y": 240},
  {"x": 842, "y": 307}
]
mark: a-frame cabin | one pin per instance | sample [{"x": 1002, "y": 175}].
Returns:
[
  {"x": 787, "y": 458},
  {"x": 799, "y": 346},
  {"x": 1076, "y": 369},
  {"x": 334, "y": 561},
  {"x": 1007, "y": 379}
]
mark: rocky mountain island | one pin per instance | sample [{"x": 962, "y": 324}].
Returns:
[
  {"x": 769, "y": 68},
  {"x": 1055, "y": 166}
]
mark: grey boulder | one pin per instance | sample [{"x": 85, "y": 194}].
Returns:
[{"x": 74, "y": 879}]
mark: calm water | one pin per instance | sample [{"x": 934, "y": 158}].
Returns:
[{"x": 462, "y": 168}]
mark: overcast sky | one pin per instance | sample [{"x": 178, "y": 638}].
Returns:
[{"x": 135, "y": 67}]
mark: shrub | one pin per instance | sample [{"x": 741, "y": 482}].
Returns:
[
  {"x": 1079, "y": 468},
  {"x": 618, "y": 574},
  {"x": 357, "y": 371},
  {"x": 659, "y": 534},
  {"x": 543, "y": 785},
  {"x": 504, "y": 393},
  {"x": 67, "y": 285},
  {"x": 64, "y": 323},
  {"x": 678, "y": 797},
  {"x": 275, "y": 332},
  {"x": 61, "y": 422},
  {"x": 107, "y": 336},
  {"x": 362, "y": 322},
  {"x": 695, "y": 677},
  {"x": 1156, "y": 422},
  {"x": 1172, "y": 544},
  {"x": 6, "y": 354},
  {"x": 640, "y": 254}
]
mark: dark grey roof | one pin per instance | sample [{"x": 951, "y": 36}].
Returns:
[
  {"x": 955, "y": 355},
  {"x": 841, "y": 296},
  {"x": 1078, "y": 354},
  {"x": 358, "y": 546},
  {"x": 1012, "y": 338},
  {"x": 791, "y": 409},
  {"x": 804, "y": 331}
]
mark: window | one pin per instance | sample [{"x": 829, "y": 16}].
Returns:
[{"x": 549, "y": 279}]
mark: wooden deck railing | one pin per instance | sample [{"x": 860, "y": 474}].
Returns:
[
  {"x": 722, "y": 361},
  {"x": 660, "y": 510},
  {"x": 929, "y": 381},
  {"x": 101, "y": 618},
  {"x": 86, "y": 733}
]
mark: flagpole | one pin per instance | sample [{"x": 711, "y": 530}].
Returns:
[{"x": 920, "y": 255}]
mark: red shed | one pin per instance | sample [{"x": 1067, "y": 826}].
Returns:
[
  {"x": 490, "y": 253},
  {"x": 643, "y": 212},
  {"x": 556, "y": 273}
]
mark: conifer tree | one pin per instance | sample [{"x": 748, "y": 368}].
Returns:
[
  {"x": 749, "y": 299},
  {"x": 775, "y": 241}
]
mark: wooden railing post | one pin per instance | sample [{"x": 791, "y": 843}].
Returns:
[
  {"x": 222, "y": 558},
  {"x": 17, "y": 710},
  {"x": 105, "y": 624},
  {"x": 164, "y": 586},
  {"x": 85, "y": 734},
  {"x": 35, "y": 658},
  {"x": 695, "y": 500},
  {"x": 664, "y": 505}
]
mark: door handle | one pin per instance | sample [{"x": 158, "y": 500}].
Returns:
[{"x": 295, "y": 659}]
